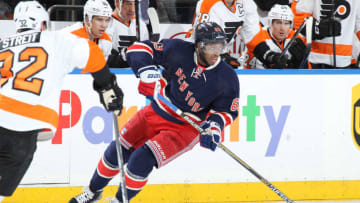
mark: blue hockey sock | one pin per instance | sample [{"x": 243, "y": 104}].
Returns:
[
  {"x": 107, "y": 167},
  {"x": 140, "y": 165}
]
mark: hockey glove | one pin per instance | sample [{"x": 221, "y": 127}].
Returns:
[
  {"x": 297, "y": 51},
  {"x": 111, "y": 96},
  {"x": 233, "y": 62},
  {"x": 273, "y": 60},
  {"x": 326, "y": 28},
  {"x": 149, "y": 75},
  {"x": 210, "y": 137},
  {"x": 117, "y": 59}
]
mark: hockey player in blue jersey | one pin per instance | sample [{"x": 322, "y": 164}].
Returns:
[{"x": 197, "y": 81}]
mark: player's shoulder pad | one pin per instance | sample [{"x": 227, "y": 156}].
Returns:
[
  {"x": 175, "y": 43},
  {"x": 227, "y": 70},
  {"x": 206, "y": 5}
]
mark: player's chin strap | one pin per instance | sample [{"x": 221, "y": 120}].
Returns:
[{"x": 161, "y": 98}]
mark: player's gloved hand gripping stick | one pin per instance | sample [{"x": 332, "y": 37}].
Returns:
[{"x": 161, "y": 98}]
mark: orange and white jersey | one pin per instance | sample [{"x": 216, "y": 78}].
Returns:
[
  {"x": 126, "y": 30},
  {"x": 348, "y": 12},
  {"x": 241, "y": 11},
  {"x": 275, "y": 46},
  {"x": 104, "y": 41},
  {"x": 33, "y": 66}
]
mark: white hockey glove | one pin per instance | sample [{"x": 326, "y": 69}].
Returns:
[
  {"x": 149, "y": 75},
  {"x": 111, "y": 96},
  {"x": 211, "y": 136}
]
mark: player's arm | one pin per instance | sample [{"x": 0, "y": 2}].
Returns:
[
  {"x": 225, "y": 108},
  {"x": 299, "y": 13},
  {"x": 324, "y": 27},
  {"x": 143, "y": 58},
  {"x": 357, "y": 23},
  {"x": 223, "y": 112},
  {"x": 111, "y": 96}
]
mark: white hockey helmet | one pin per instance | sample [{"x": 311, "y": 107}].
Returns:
[
  {"x": 30, "y": 15},
  {"x": 281, "y": 12},
  {"x": 97, "y": 8}
]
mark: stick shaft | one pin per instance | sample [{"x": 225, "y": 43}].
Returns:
[
  {"x": 120, "y": 160},
  {"x": 137, "y": 20},
  {"x": 225, "y": 149}
]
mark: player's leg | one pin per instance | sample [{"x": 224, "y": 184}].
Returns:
[
  {"x": 16, "y": 153},
  {"x": 170, "y": 141},
  {"x": 137, "y": 170},
  {"x": 107, "y": 167},
  {"x": 1, "y": 198}
]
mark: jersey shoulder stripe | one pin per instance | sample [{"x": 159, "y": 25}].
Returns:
[
  {"x": 96, "y": 59},
  {"x": 140, "y": 47},
  {"x": 81, "y": 32}
]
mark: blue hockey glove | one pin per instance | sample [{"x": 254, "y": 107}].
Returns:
[
  {"x": 149, "y": 75},
  {"x": 210, "y": 138}
]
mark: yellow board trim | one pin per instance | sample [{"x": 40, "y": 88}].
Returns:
[{"x": 214, "y": 192}]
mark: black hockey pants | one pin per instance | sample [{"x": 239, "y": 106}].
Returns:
[{"x": 16, "y": 153}]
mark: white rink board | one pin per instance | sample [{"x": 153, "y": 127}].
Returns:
[{"x": 315, "y": 144}]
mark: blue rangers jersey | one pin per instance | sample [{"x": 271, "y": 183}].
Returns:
[{"x": 203, "y": 93}]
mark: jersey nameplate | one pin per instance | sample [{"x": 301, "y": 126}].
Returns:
[{"x": 20, "y": 40}]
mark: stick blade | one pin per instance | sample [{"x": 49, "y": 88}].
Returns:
[{"x": 155, "y": 24}]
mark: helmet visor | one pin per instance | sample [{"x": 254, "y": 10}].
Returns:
[{"x": 214, "y": 48}]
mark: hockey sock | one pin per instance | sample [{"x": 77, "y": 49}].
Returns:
[
  {"x": 140, "y": 165},
  {"x": 107, "y": 167},
  {"x": 1, "y": 198}
]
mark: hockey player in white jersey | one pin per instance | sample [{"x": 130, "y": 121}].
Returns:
[
  {"x": 338, "y": 19},
  {"x": 33, "y": 66},
  {"x": 97, "y": 17},
  {"x": 278, "y": 35},
  {"x": 122, "y": 31},
  {"x": 240, "y": 21}
]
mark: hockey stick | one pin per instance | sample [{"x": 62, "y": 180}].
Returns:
[
  {"x": 333, "y": 32},
  {"x": 197, "y": 127},
  {"x": 120, "y": 159},
  {"x": 292, "y": 40},
  {"x": 309, "y": 23},
  {"x": 137, "y": 20},
  {"x": 155, "y": 25}
]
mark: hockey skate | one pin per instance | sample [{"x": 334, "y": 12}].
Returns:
[{"x": 87, "y": 196}]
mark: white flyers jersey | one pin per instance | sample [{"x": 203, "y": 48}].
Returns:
[
  {"x": 348, "y": 12},
  {"x": 242, "y": 12},
  {"x": 123, "y": 33},
  {"x": 33, "y": 66},
  {"x": 104, "y": 41}
]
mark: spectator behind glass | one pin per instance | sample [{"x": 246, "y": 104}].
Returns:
[{"x": 5, "y": 11}]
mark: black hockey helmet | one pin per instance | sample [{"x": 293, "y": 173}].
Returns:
[{"x": 209, "y": 32}]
